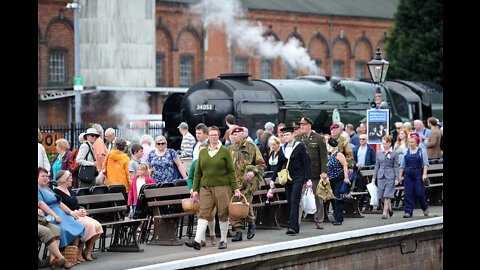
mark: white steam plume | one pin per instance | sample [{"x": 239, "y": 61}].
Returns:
[
  {"x": 249, "y": 37},
  {"x": 129, "y": 103}
]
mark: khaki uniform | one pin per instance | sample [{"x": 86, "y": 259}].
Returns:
[{"x": 247, "y": 158}]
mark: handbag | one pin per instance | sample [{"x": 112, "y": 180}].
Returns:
[
  {"x": 284, "y": 175},
  {"x": 324, "y": 190},
  {"x": 87, "y": 174}
]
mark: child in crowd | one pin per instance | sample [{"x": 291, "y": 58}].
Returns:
[{"x": 142, "y": 178}]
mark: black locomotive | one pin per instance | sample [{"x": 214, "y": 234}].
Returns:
[{"x": 255, "y": 102}]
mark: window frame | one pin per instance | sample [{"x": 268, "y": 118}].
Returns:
[
  {"x": 191, "y": 59},
  {"x": 63, "y": 51}
]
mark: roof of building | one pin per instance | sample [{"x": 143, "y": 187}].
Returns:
[{"x": 382, "y": 9}]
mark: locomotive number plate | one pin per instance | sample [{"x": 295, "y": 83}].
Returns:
[{"x": 205, "y": 107}]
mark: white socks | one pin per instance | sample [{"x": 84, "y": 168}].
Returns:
[
  {"x": 223, "y": 231},
  {"x": 201, "y": 228},
  {"x": 211, "y": 228}
]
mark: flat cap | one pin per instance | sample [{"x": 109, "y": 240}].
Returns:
[{"x": 183, "y": 125}]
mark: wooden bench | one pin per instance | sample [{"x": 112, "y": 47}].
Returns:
[
  {"x": 274, "y": 214},
  {"x": 434, "y": 192},
  {"x": 110, "y": 208},
  {"x": 166, "y": 205}
]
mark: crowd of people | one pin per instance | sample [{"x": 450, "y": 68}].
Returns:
[{"x": 232, "y": 166}]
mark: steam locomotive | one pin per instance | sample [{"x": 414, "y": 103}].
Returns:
[{"x": 255, "y": 102}]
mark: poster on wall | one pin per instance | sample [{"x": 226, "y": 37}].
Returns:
[{"x": 377, "y": 125}]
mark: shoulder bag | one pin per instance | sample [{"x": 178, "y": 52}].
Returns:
[{"x": 87, "y": 174}]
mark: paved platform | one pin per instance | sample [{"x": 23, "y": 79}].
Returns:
[{"x": 154, "y": 254}]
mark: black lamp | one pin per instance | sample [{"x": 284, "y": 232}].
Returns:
[{"x": 378, "y": 67}]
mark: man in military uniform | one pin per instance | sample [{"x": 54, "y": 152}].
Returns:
[
  {"x": 249, "y": 166},
  {"x": 317, "y": 151}
]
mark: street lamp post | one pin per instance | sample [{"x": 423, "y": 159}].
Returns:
[
  {"x": 378, "y": 68},
  {"x": 77, "y": 80}
]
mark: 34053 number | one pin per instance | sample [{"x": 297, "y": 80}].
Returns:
[{"x": 205, "y": 107}]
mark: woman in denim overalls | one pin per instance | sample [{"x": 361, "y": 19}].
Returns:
[{"x": 413, "y": 169}]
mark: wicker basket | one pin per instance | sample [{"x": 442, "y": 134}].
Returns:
[
  {"x": 70, "y": 253},
  {"x": 190, "y": 205},
  {"x": 238, "y": 210}
]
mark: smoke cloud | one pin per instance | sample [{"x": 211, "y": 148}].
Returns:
[
  {"x": 248, "y": 36},
  {"x": 130, "y": 103}
]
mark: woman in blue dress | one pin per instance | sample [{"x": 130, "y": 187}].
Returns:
[
  {"x": 164, "y": 163},
  {"x": 70, "y": 230}
]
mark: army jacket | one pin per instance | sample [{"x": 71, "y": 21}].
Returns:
[
  {"x": 317, "y": 152},
  {"x": 345, "y": 148},
  {"x": 247, "y": 158}
]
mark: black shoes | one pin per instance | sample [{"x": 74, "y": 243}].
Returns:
[
  {"x": 390, "y": 213},
  {"x": 222, "y": 245},
  {"x": 238, "y": 236},
  {"x": 291, "y": 232},
  {"x": 193, "y": 243},
  {"x": 336, "y": 223},
  {"x": 251, "y": 231},
  {"x": 407, "y": 215}
]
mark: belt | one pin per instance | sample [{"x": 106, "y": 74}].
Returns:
[{"x": 413, "y": 167}]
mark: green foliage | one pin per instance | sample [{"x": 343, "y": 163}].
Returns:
[{"x": 415, "y": 46}]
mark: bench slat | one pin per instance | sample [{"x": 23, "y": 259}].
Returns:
[
  {"x": 107, "y": 210},
  {"x": 99, "y": 198},
  {"x": 166, "y": 202},
  {"x": 123, "y": 222},
  {"x": 162, "y": 192}
]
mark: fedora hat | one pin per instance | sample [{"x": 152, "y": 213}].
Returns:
[{"x": 91, "y": 131}]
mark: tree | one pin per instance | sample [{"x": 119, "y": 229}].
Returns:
[{"x": 415, "y": 46}]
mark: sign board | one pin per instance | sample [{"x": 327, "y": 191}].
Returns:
[
  {"x": 48, "y": 141},
  {"x": 77, "y": 83},
  {"x": 377, "y": 125}
]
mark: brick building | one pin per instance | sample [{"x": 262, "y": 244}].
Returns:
[{"x": 340, "y": 36}]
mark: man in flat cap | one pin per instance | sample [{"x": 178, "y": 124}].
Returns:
[
  {"x": 317, "y": 151},
  {"x": 249, "y": 166}
]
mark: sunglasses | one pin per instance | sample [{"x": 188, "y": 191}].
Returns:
[
  {"x": 161, "y": 143},
  {"x": 362, "y": 139}
]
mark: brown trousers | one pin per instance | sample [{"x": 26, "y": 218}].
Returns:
[{"x": 210, "y": 197}]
